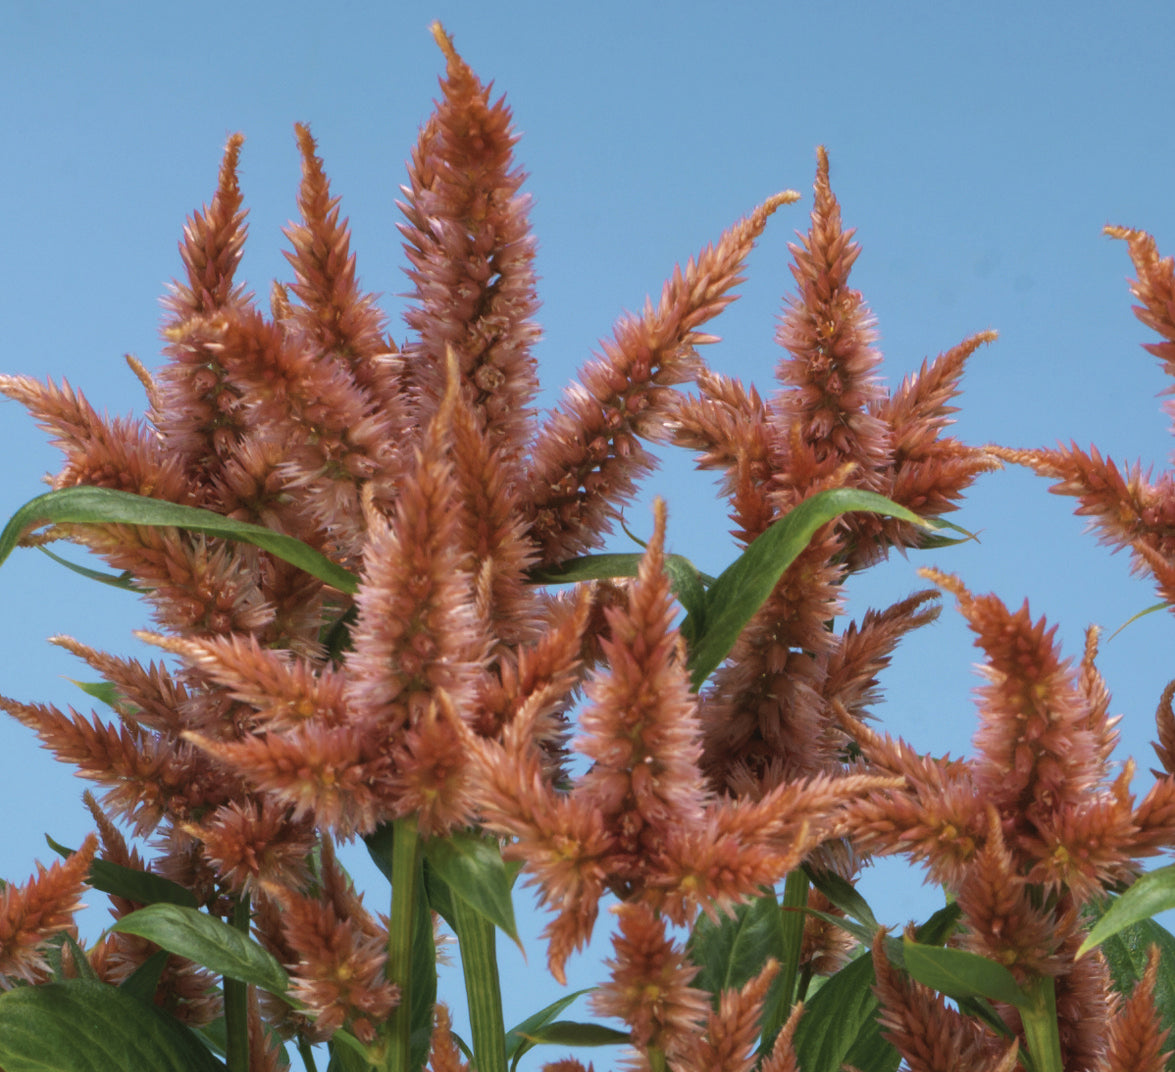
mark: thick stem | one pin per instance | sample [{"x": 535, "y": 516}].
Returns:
[
  {"x": 479, "y": 963},
  {"x": 405, "y": 864},
  {"x": 236, "y": 1002},
  {"x": 1040, "y": 1025}
]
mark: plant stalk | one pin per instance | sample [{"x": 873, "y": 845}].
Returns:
[
  {"x": 479, "y": 963},
  {"x": 405, "y": 865},
  {"x": 236, "y": 1002},
  {"x": 1040, "y": 1025}
]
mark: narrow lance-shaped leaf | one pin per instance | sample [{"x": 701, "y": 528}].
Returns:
[
  {"x": 98, "y": 506},
  {"x": 959, "y": 974},
  {"x": 1151, "y": 894},
  {"x": 209, "y": 942},
  {"x": 126, "y": 882},
  {"x": 746, "y": 583},
  {"x": 520, "y": 1038}
]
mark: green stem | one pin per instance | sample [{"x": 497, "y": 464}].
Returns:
[
  {"x": 783, "y": 990},
  {"x": 236, "y": 1002},
  {"x": 1040, "y": 1025},
  {"x": 405, "y": 865},
  {"x": 479, "y": 963},
  {"x": 306, "y": 1052}
]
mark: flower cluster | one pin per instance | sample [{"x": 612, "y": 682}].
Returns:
[{"x": 437, "y": 686}]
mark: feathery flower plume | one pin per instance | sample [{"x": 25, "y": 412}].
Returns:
[
  {"x": 649, "y": 989},
  {"x": 1125, "y": 506},
  {"x": 641, "y": 822},
  {"x": 34, "y": 912},
  {"x": 587, "y": 456},
  {"x": 766, "y": 715}
]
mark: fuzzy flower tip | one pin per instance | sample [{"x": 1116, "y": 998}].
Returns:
[{"x": 34, "y": 912}]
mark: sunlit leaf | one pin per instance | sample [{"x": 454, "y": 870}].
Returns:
[
  {"x": 473, "y": 869},
  {"x": 743, "y": 587},
  {"x": 959, "y": 974},
  {"x": 209, "y": 942},
  {"x": 1151, "y": 894},
  {"x": 97, "y": 506}
]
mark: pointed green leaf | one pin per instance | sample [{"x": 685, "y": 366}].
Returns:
[
  {"x": 102, "y": 691},
  {"x": 573, "y": 1033},
  {"x": 519, "y": 1038},
  {"x": 116, "y": 580},
  {"x": 143, "y": 983},
  {"x": 97, "y": 506},
  {"x": 863, "y": 934},
  {"x": 473, "y": 869},
  {"x": 1151, "y": 894},
  {"x": 745, "y": 584},
  {"x": 347, "y": 1054},
  {"x": 843, "y": 894},
  {"x": 83, "y": 1026},
  {"x": 841, "y": 1018},
  {"x": 940, "y": 926},
  {"x": 209, "y": 942},
  {"x": 731, "y": 950},
  {"x": 959, "y": 974},
  {"x": 126, "y": 882},
  {"x": 1126, "y": 954}
]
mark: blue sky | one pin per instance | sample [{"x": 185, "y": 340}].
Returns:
[{"x": 978, "y": 150}]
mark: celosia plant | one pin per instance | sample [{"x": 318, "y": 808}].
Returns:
[{"x": 357, "y": 556}]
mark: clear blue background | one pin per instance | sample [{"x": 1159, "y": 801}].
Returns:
[{"x": 977, "y": 149}]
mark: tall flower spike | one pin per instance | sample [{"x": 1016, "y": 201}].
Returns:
[
  {"x": 1125, "y": 506},
  {"x": 649, "y": 988},
  {"x": 472, "y": 254},
  {"x": 32, "y": 913},
  {"x": 1035, "y": 747},
  {"x": 640, "y": 728},
  {"x": 831, "y": 376},
  {"x": 587, "y": 455}
]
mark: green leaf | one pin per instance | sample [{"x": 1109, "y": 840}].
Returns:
[
  {"x": 731, "y": 951},
  {"x": 940, "y": 926},
  {"x": 82, "y": 1026},
  {"x": 1126, "y": 954},
  {"x": 959, "y": 974},
  {"x": 473, "y": 869},
  {"x": 520, "y": 1038},
  {"x": 1151, "y": 894},
  {"x": 97, "y": 506},
  {"x": 102, "y": 691},
  {"x": 841, "y": 1018},
  {"x": 573, "y": 1033},
  {"x": 126, "y": 882},
  {"x": 122, "y": 580},
  {"x": 209, "y": 942},
  {"x": 843, "y": 894},
  {"x": 143, "y": 983},
  {"x": 745, "y": 584},
  {"x": 1135, "y": 617},
  {"x": 347, "y": 1054}
]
